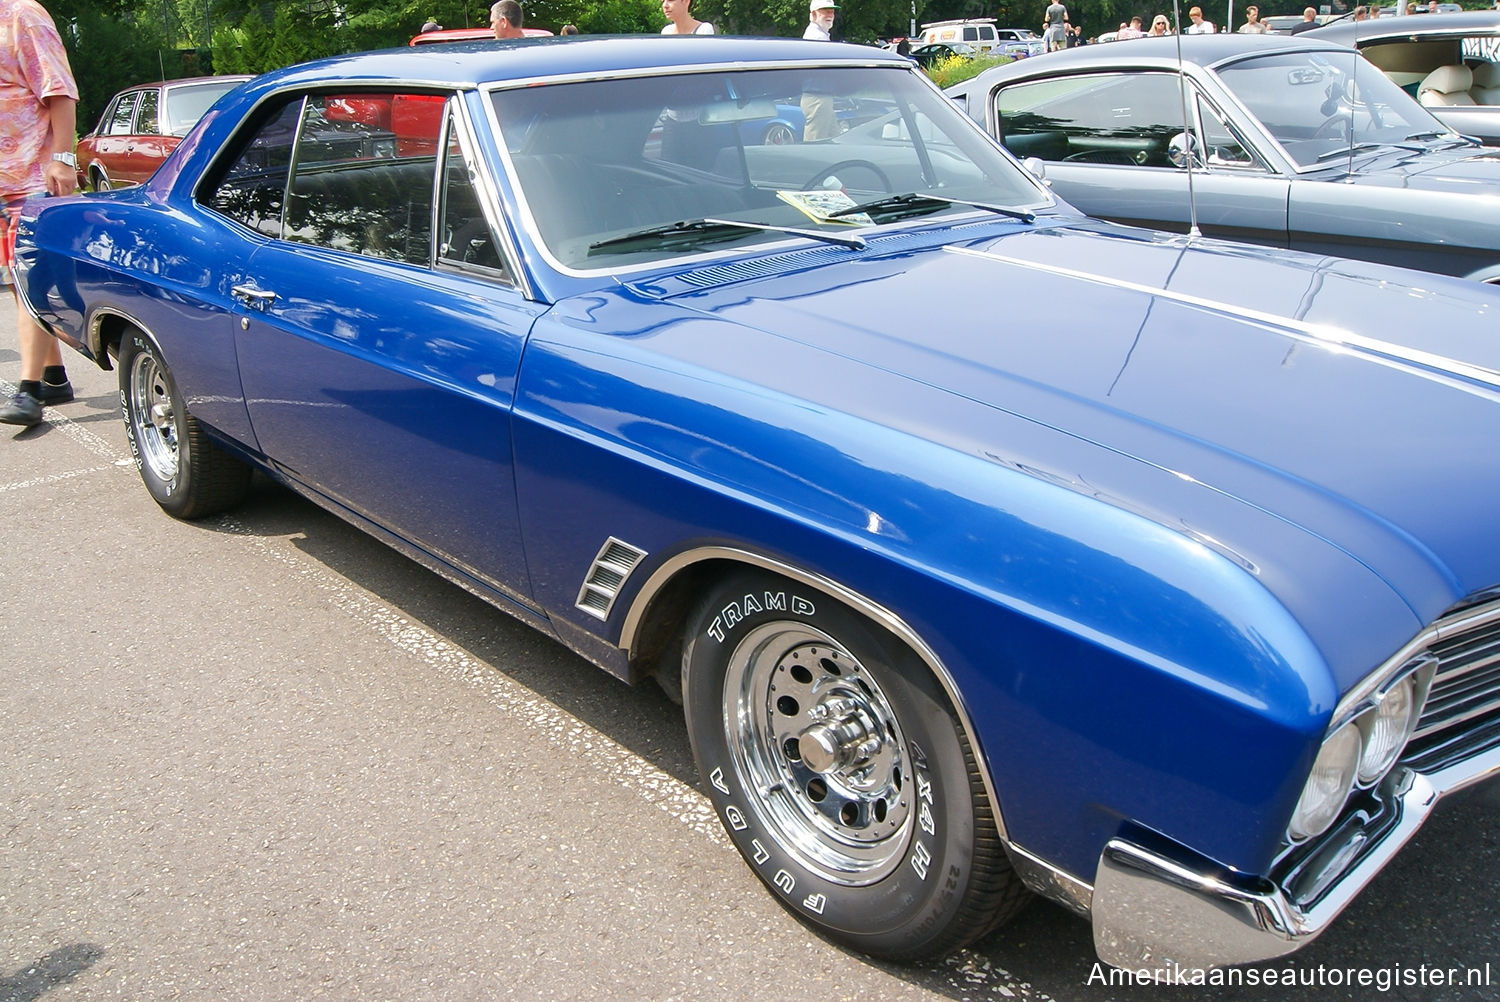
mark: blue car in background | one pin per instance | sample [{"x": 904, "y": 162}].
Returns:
[{"x": 1171, "y": 594}]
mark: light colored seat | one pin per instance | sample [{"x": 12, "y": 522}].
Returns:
[
  {"x": 1486, "y": 89},
  {"x": 1446, "y": 86}
]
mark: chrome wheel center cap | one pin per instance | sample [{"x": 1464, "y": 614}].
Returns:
[{"x": 843, "y": 737}]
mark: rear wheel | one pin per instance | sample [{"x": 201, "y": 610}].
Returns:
[
  {"x": 840, "y": 771},
  {"x": 779, "y": 134},
  {"x": 186, "y": 473}
]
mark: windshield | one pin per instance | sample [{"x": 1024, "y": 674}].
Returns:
[
  {"x": 598, "y": 162},
  {"x": 1319, "y": 104}
]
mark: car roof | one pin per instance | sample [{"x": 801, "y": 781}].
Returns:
[
  {"x": 1477, "y": 22},
  {"x": 1198, "y": 50},
  {"x": 442, "y": 36},
  {"x": 460, "y": 64}
]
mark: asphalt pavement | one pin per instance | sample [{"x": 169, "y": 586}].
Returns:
[{"x": 264, "y": 757}]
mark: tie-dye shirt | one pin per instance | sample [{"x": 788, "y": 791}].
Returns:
[{"x": 33, "y": 67}]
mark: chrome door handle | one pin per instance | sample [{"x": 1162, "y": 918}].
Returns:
[{"x": 253, "y": 297}]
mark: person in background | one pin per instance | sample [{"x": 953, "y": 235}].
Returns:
[
  {"x": 505, "y": 18},
  {"x": 821, "y": 121},
  {"x": 820, "y": 14},
  {"x": 1131, "y": 30},
  {"x": 1253, "y": 24},
  {"x": 1308, "y": 23},
  {"x": 568, "y": 29},
  {"x": 431, "y": 25},
  {"x": 1055, "y": 26},
  {"x": 1159, "y": 27},
  {"x": 680, "y": 19},
  {"x": 1199, "y": 26},
  {"x": 38, "y": 118}
]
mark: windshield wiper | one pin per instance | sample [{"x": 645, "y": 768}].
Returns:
[
  {"x": 1349, "y": 150},
  {"x": 687, "y": 232},
  {"x": 915, "y": 203}
]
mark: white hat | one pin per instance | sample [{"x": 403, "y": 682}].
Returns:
[{"x": 814, "y": 5}]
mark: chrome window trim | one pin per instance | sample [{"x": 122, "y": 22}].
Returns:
[
  {"x": 872, "y": 610},
  {"x": 489, "y": 197}
]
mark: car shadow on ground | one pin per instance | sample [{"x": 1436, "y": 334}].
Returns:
[{"x": 640, "y": 718}]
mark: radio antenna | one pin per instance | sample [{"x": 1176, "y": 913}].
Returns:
[{"x": 1190, "y": 154}]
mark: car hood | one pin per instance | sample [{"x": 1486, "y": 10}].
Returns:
[
  {"x": 1464, "y": 170},
  {"x": 1295, "y": 413}
]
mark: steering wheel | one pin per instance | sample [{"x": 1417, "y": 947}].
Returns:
[
  {"x": 461, "y": 246},
  {"x": 1120, "y": 158},
  {"x": 1335, "y": 129},
  {"x": 882, "y": 182}
]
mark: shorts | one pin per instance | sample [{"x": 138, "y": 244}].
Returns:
[{"x": 10, "y": 218}]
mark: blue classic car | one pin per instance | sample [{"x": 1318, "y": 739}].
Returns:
[
  {"x": 1172, "y": 594},
  {"x": 1293, "y": 143}
]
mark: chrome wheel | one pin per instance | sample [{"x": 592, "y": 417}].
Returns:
[
  {"x": 152, "y": 418},
  {"x": 779, "y": 134},
  {"x": 810, "y": 729}
]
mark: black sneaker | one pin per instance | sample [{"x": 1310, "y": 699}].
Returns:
[
  {"x": 56, "y": 393},
  {"x": 23, "y": 409}
]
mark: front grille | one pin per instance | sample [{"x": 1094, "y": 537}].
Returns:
[{"x": 1463, "y": 705}]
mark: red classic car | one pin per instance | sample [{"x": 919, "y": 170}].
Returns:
[{"x": 141, "y": 126}]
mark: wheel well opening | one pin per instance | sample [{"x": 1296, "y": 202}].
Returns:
[{"x": 110, "y": 330}]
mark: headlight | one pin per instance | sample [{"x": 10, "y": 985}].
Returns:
[
  {"x": 1386, "y": 727},
  {"x": 1328, "y": 787}
]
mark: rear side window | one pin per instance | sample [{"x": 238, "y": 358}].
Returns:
[
  {"x": 121, "y": 119},
  {"x": 1125, "y": 119},
  {"x": 145, "y": 116},
  {"x": 363, "y": 173}
]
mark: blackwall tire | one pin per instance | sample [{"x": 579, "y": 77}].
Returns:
[
  {"x": 839, "y": 770},
  {"x": 185, "y": 472}
]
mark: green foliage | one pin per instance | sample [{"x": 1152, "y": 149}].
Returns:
[{"x": 957, "y": 69}]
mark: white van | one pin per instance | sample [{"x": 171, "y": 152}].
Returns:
[{"x": 978, "y": 32}]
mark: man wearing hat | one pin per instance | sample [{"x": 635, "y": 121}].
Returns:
[
  {"x": 820, "y": 20},
  {"x": 817, "y": 108}
]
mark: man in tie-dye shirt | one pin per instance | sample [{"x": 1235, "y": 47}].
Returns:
[{"x": 38, "y": 118}]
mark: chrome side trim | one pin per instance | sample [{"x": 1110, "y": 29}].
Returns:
[
  {"x": 864, "y": 606},
  {"x": 607, "y": 575},
  {"x": 1153, "y": 913},
  {"x": 1464, "y": 374}
]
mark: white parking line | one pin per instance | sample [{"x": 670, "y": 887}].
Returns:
[{"x": 57, "y": 419}]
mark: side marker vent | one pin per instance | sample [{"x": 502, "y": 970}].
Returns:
[{"x": 607, "y": 576}]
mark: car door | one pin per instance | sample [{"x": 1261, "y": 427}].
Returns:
[
  {"x": 147, "y": 147},
  {"x": 115, "y": 138},
  {"x": 1113, "y": 145},
  {"x": 378, "y": 363}
]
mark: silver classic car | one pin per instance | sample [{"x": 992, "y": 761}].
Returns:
[{"x": 1278, "y": 141}]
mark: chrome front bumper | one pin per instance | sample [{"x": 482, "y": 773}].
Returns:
[{"x": 1153, "y": 914}]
